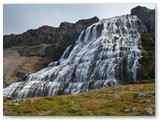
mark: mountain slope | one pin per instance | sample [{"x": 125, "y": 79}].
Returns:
[
  {"x": 112, "y": 101},
  {"x": 34, "y": 49}
]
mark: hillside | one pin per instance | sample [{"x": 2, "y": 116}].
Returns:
[
  {"x": 32, "y": 50},
  {"x": 111, "y": 101}
]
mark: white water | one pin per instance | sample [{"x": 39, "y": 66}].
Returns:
[{"x": 105, "y": 54}]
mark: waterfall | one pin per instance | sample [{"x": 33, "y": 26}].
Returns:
[
  {"x": 105, "y": 54},
  {"x": 66, "y": 53}
]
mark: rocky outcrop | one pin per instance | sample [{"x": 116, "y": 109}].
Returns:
[
  {"x": 53, "y": 51},
  {"x": 66, "y": 34},
  {"x": 21, "y": 75},
  {"x": 146, "y": 15}
]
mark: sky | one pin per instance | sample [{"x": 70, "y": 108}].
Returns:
[{"x": 18, "y": 18}]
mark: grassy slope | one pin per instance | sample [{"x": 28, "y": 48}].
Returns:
[{"x": 102, "y": 102}]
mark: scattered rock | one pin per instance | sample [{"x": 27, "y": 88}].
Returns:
[
  {"x": 16, "y": 104},
  {"x": 128, "y": 110},
  {"x": 147, "y": 101},
  {"x": 148, "y": 111},
  {"x": 144, "y": 95}
]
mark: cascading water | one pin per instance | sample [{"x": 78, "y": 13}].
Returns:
[{"x": 105, "y": 54}]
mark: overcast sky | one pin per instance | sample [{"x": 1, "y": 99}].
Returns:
[{"x": 18, "y": 18}]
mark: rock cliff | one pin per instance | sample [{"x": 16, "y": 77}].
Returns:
[
  {"x": 34, "y": 49},
  {"x": 146, "y": 15}
]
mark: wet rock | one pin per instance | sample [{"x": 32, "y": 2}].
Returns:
[
  {"x": 148, "y": 111},
  {"x": 52, "y": 64}
]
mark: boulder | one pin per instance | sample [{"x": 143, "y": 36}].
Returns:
[
  {"x": 124, "y": 109},
  {"x": 148, "y": 111}
]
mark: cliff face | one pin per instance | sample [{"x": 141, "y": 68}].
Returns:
[
  {"x": 148, "y": 41},
  {"x": 47, "y": 41},
  {"x": 34, "y": 49},
  {"x": 148, "y": 61},
  {"x": 146, "y": 15},
  {"x": 66, "y": 34}
]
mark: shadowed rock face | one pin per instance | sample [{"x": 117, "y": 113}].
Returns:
[
  {"x": 148, "y": 41},
  {"x": 146, "y": 15},
  {"x": 148, "y": 61}
]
